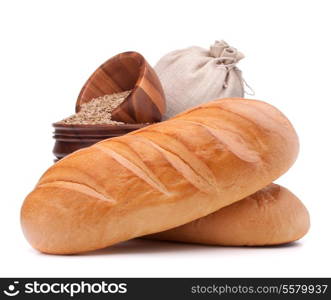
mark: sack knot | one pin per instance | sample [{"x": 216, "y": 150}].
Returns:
[{"x": 224, "y": 53}]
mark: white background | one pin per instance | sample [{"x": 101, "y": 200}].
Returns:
[{"x": 48, "y": 50}]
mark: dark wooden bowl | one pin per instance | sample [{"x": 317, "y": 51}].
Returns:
[
  {"x": 127, "y": 71},
  {"x": 69, "y": 138}
]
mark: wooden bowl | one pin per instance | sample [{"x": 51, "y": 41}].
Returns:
[
  {"x": 127, "y": 71},
  {"x": 69, "y": 138}
]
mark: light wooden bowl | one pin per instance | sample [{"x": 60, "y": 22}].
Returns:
[{"x": 127, "y": 71}]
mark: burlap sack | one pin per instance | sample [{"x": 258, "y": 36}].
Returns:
[{"x": 195, "y": 75}]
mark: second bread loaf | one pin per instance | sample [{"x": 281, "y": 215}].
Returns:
[
  {"x": 159, "y": 177},
  {"x": 271, "y": 216}
]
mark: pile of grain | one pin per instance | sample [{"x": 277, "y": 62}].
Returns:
[{"x": 98, "y": 110}]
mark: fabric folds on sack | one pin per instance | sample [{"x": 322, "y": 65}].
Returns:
[{"x": 195, "y": 75}]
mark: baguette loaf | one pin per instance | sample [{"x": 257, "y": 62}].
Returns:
[
  {"x": 271, "y": 216},
  {"x": 159, "y": 177}
]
